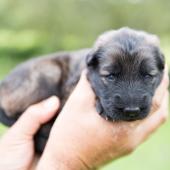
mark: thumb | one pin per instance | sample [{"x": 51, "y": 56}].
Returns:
[
  {"x": 36, "y": 115},
  {"x": 83, "y": 93}
]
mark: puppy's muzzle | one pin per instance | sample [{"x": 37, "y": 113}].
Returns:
[{"x": 131, "y": 108}]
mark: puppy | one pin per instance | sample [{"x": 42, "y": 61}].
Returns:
[{"x": 124, "y": 69}]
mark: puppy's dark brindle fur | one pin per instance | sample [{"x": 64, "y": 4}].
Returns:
[{"x": 124, "y": 69}]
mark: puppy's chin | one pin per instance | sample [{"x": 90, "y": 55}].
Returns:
[
  {"x": 119, "y": 115},
  {"x": 124, "y": 118}
]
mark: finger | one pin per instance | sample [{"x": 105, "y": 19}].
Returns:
[
  {"x": 36, "y": 115},
  {"x": 83, "y": 92},
  {"x": 151, "y": 123},
  {"x": 161, "y": 90}
]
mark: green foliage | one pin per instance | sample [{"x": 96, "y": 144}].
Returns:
[
  {"x": 48, "y": 25},
  {"x": 2, "y": 129},
  {"x": 19, "y": 43}
]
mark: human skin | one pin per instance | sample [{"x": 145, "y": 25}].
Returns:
[
  {"x": 81, "y": 140},
  {"x": 17, "y": 145}
]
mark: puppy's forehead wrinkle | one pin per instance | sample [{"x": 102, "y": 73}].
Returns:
[
  {"x": 118, "y": 54},
  {"x": 129, "y": 63}
]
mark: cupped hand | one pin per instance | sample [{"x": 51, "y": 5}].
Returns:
[{"x": 81, "y": 139}]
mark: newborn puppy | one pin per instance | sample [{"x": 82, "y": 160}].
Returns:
[{"x": 124, "y": 69}]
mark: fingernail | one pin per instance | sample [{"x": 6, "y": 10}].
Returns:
[{"x": 50, "y": 103}]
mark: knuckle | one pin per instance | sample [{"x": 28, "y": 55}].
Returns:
[
  {"x": 164, "y": 118},
  {"x": 130, "y": 149},
  {"x": 156, "y": 104},
  {"x": 166, "y": 80},
  {"x": 131, "y": 146}
]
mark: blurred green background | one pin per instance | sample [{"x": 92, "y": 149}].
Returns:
[{"x": 30, "y": 28}]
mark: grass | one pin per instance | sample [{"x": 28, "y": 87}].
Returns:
[{"x": 154, "y": 154}]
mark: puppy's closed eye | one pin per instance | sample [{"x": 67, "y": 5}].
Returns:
[{"x": 147, "y": 71}]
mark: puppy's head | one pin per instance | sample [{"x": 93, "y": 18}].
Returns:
[{"x": 125, "y": 67}]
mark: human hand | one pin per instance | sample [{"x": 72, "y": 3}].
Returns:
[
  {"x": 80, "y": 139},
  {"x": 17, "y": 145}
]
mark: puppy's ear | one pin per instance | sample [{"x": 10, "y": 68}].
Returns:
[
  {"x": 153, "y": 40},
  {"x": 160, "y": 59},
  {"x": 92, "y": 60}
]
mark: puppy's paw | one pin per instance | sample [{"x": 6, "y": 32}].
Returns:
[
  {"x": 5, "y": 119},
  {"x": 42, "y": 136}
]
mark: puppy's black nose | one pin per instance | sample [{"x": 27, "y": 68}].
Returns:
[{"x": 131, "y": 111}]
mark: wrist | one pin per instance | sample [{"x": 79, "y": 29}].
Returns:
[{"x": 62, "y": 161}]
